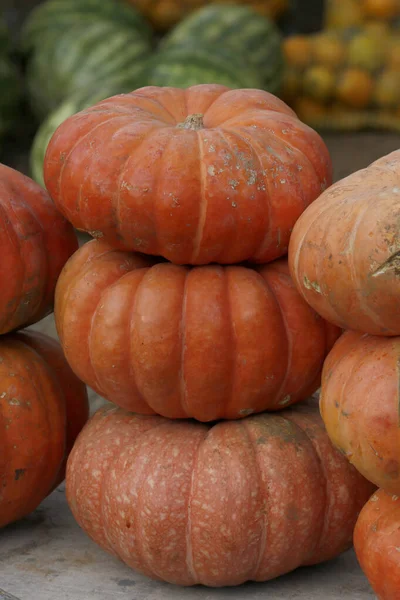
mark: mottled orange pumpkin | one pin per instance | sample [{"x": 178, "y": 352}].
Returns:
[
  {"x": 205, "y": 342},
  {"x": 201, "y": 175},
  {"x": 35, "y": 242},
  {"x": 360, "y": 399},
  {"x": 377, "y": 544},
  {"x": 43, "y": 407},
  {"x": 188, "y": 503},
  {"x": 344, "y": 252}
]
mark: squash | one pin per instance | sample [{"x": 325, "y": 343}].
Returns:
[
  {"x": 360, "y": 400},
  {"x": 341, "y": 14},
  {"x": 35, "y": 243},
  {"x": 377, "y": 543},
  {"x": 238, "y": 29},
  {"x": 346, "y": 79},
  {"x": 223, "y": 343},
  {"x": 200, "y": 175},
  {"x": 218, "y": 504},
  {"x": 164, "y": 14},
  {"x": 43, "y": 407},
  {"x": 344, "y": 250},
  {"x": 78, "y": 46}
]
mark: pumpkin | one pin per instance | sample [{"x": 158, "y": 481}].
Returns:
[
  {"x": 164, "y": 14},
  {"x": 43, "y": 407},
  {"x": 346, "y": 79},
  {"x": 190, "y": 503},
  {"x": 238, "y": 29},
  {"x": 201, "y": 175},
  {"x": 75, "y": 46},
  {"x": 341, "y": 14},
  {"x": 377, "y": 543},
  {"x": 344, "y": 250},
  {"x": 35, "y": 242},
  {"x": 360, "y": 404},
  {"x": 222, "y": 342}
]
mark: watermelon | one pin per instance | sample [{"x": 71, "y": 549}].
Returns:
[
  {"x": 183, "y": 67},
  {"x": 118, "y": 84},
  {"x": 239, "y": 30}
]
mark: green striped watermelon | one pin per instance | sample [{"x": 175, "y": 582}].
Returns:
[
  {"x": 183, "y": 67},
  {"x": 237, "y": 29},
  {"x": 56, "y": 15},
  {"x": 119, "y": 84}
]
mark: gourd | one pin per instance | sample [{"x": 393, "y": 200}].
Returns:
[
  {"x": 35, "y": 243},
  {"x": 223, "y": 343},
  {"x": 377, "y": 542},
  {"x": 360, "y": 405},
  {"x": 344, "y": 251},
  {"x": 345, "y": 79},
  {"x": 164, "y": 14},
  {"x": 246, "y": 35},
  {"x": 74, "y": 46},
  {"x": 218, "y": 504},
  {"x": 197, "y": 175},
  {"x": 43, "y": 407}
]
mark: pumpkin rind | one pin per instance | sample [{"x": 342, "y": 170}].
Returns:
[
  {"x": 35, "y": 243},
  {"x": 377, "y": 543},
  {"x": 208, "y": 342},
  {"x": 186, "y": 503},
  {"x": 228, "y": 191},
  {"x": 43, "y": 407},
  {"x": 360, "y": 402},
  {"x": 344, "y": 250}
]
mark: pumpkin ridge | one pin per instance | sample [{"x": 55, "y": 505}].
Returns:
[
  {"x": 155, "y": 101},
  {"x": 325, "y": 479},
  {"x": 182, "y": 334},
  {"x": 264, "y": 492},
  {"x": 233, "y": 337},
  {"x": 202, "y": 217}
]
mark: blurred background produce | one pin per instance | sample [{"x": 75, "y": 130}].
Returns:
[{"x": 335, "y": 62}]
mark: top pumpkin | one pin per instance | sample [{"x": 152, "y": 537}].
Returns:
[{"x": 201, "y": 175}]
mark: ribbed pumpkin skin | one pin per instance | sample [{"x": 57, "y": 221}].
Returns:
[
  {"x": 377, "y": 543},
  {"x": 344, "y": 250},
  {"x": 35, "y": 243},
  {"x": 43, "y": 407},
  {"x": 242, "y": 500},
  {"x": 360, "y": 399},
  {"x": 227, "y": 192},
  {"x": 209, "y": 342}
]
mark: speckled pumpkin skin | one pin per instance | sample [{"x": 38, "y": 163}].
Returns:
[
  {"x": 377, "y": 543},
  {"x": 43, "y": 407},
  {"x": 197, "y": 176},
  {"x": 242, "y": 500},
  {"x": 344, "y": 251},
  {"x": 205, "y": 342},
  {"x": 360, "y": 399},
  {"x": 35, "y": 243}
]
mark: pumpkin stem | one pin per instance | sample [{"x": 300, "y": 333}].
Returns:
[{"x": 194, "y": 122}]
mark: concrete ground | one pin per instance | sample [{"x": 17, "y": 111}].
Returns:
[{"x": 47, "y": 557}]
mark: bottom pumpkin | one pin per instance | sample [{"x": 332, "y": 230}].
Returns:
[
  {"x": 190, "y": 503},
  {"x": 43, "y": 407},
  {"x": 377, "y": 544}
]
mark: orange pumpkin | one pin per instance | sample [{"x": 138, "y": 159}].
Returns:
[
  {"x": 360, "y": 401},
  {"x": 43, "y": 407},
  {"x": 208, "y": 342},
  {"x": 35, "y": 242},
  {"x": 344, "y": 251},
  {"x": 197, "y": 176},
  {"x": 218, "y": 505},
  {"x": 377, "y": 544}
]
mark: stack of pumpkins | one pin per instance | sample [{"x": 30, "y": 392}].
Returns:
[
  {"x": 43, "y": 405},
  {"x": 182, "y": 309},
  {"x": 348, "y": 77},
  {"x": 345, "y": 260}
]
